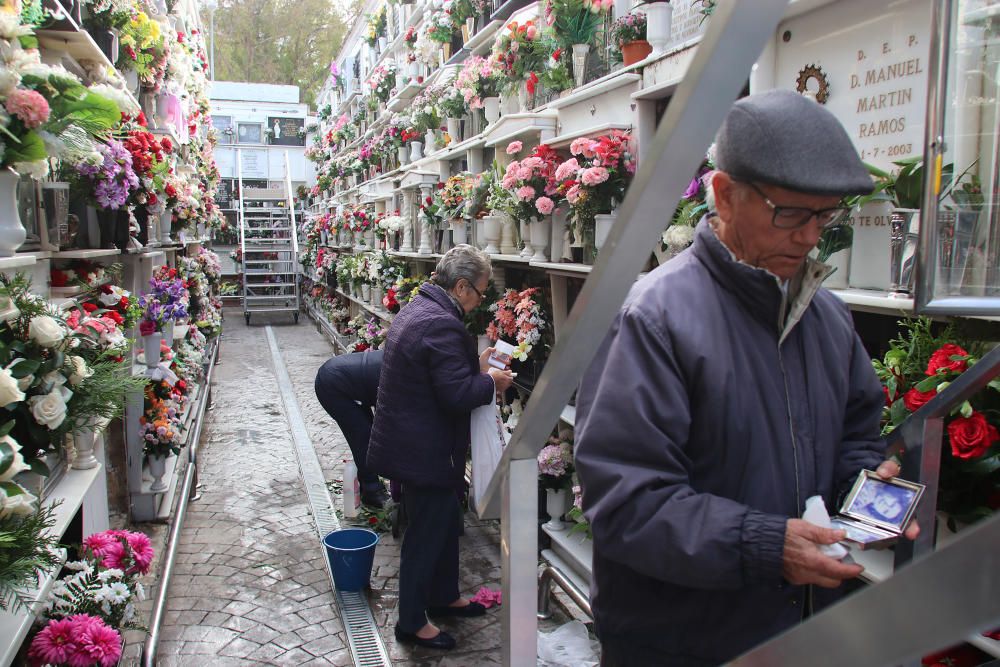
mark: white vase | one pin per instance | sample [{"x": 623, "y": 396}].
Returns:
[
  {"x": 603, "y": 222},
  {"x": 426, "y": 247},
  {"x": 458, "y": 231},
  {"x": 841, "y": 262},
  {"x": 416, "y": 150},
  {"x": 492, "y": 226},
  {"x": 527, "y": 251},
  {"x": 200, "y": 230},
  {"x": 491, "y": 107},
  {"x": 151, "y": 349},
  {"x": 540, "y": 238},
  {"x": 383, "y": 44},
  {"x": 324, "y": 236},
  {"x": 166, "y": 223},
  {"x": 403, "y": 155},
  {"x": 413, "y": 72},
  {"x": 168, "y": 333},
  {"x": 480, "y": 234},
  {"x": 525, "y": 100},
  {"x": 658, "y": 15},
  {"x": 580, "y": 52},
  {"x": 366, "y": 292},
  {"x": 508, "y": 236},
  {"x": 430, "y": 141},
  {"x": 12, "y": 232},
  {"x": 455, "y": 129},
  {"x": 556, "y": 506},
  {"x": 370, "y": 237},
  {"x": 158, "y": 470},
  {"x": 83, "y": 446}
]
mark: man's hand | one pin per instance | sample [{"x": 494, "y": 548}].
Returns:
[
  {"x": 888, "y": 470},
  {"x": 803, "y": 563},
  {"x": 484, "y": 365},
  {"x": 502, "y": 379}
]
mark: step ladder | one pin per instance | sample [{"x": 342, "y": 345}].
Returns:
[{"x": 269, "y": 246}]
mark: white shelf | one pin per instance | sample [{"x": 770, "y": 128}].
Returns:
[
  {"x": 72, "y": 290},
  {"x": 576, "y": 549},
  {"x": 512, "y": 126},
  {"x": 88, "y": 253},
  {"x": 482, "y": 41},
  {"x": 16, "y": 262},
  {"x": 377, "y": 311},
  {"x": 603, "y": 85},
  {"x": 515, "y": 259},
  {"x": 564, "y": 268},
  {"x": 70, "y": 491},
  {"x": 595, "y": 131}
]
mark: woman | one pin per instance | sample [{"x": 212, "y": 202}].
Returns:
[{"x": 431, "y": 381}]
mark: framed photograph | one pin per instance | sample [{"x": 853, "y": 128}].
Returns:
[
  {"x": 249, "y": 133},
  {"x": 885, "y": 504}
]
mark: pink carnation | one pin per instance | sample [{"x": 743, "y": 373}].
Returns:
[
  {"x": 583, "y": 146},
  {"x": 594, "y": 176},
  {"x": 573, "y": 194},
  {"x": 567, "y": 169},
  {"x": 524, "y": 173},
  {"x": 29, "y": 106},
  {"x": 142, "y": 552},
  {"x": 96, "y": 643},
  {"x": 525, "y": 192},
  {"x": 514, "y": 147},
  {"x": 544, "y": 205},
  {"x": 55, "y": 644}
]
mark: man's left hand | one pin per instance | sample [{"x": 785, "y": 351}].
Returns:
[{"x": 888, "y": 470}]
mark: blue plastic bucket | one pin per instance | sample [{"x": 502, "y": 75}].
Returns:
[{"x": 351, "y": 552}]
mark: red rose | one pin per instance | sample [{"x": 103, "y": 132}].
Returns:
[
  {"x": 971, "y": 436},
  {"x": 914, "y": 399},
  {"x": 942, "y": 359},
  {"x": 372, "y": 521},
  {"x": 89, "y": 307},
  {"x": 166, "y": 144},
  {"x": 114, "y": 316}
]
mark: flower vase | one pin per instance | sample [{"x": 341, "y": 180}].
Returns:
[
  {"x": 157, "y": 470},
  {"x": 324, "y": 237},
  {"x": 470, "y": 29},
  {"x": 603, "y": 222},
  {"x": 444, "y": 240},
  {"x": 491, "y": 107},
  {"x": 413, "y": 72},
  {"x": 200, "y": 230},
  {"x": 540, "y": 229},
  {"x": 383, "y": 44},
  {"x": 430, "y": 142},
  {"x": 527, "y": 251},
  {"x": 12, "y": 232},
  {"x": 525, "y": 100},
  {"x": 508, "y": 237},
  {"x": 492, "y": 226},
  {"x": 658, "y": 15},
  {"x": 904, "y": 230},
  {"x": 168, "y": 333},
  {"x": 478, "y": 235},
  {"x": 403, "y": 155},
  {"x": 83, "y": 445},
  {"x": 455, "y": 129},
  {"x": 555, "y": 507},
  {"x": 370, "y": 238},
  {"x": 151, "y": 349},
  {"x": 425, "y": 239},
  {"x": 416, "y": 150},
  {"x": 366, "y": 292},
  {"x": 580, "y": 53},
  {"x": 445, "y": 53},
  {"x": 634, "y": 52},
  {"x": 458, "y": 231},
  {"x": 166, "y": 223},
  {"x": 132, "y": 81}
]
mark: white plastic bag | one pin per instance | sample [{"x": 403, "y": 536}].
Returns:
[
  {"x": 488, "y": 442},
  {"x": 568, "y": 645}
]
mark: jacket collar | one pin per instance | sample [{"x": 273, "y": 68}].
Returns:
[
  {"x": 759, "y": 289},
  {"x": 437, "y": 294}
]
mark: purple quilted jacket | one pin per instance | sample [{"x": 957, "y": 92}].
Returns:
[{"x": 429, "y": 385}]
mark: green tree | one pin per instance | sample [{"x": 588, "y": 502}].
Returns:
[{"x": 278, "y": 41}]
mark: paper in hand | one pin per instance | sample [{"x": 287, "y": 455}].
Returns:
[{"x": 817, "y": 515}]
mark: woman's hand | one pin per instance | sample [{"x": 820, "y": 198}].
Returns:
[
  {"x": 484, "y": 365},
  {"x": 502, "y": 379}
]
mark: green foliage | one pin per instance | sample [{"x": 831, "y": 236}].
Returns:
[
  {"x": 28, "y": 148},
  {"x": 480, "y": 317},
  {"x": 574, "y": 22},
  {"x": 27, "y": 548},
  {"x": 833, "y": 240}
]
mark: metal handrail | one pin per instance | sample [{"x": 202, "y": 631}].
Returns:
[
  {"x": 551, "y": 574},
  {"x": 151, "y": 645}
]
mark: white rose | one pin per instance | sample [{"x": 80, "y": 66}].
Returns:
[
  {"x": 45, "y": 331},
  {"x": 10, "y": 392},
  {"x": 23, "y": 504},
  {"x": 48, "y": 410},
  {"x": 80, "y": 370},
  {"x": 108, "y": 300},
  {"x": 17, "y": 465}
]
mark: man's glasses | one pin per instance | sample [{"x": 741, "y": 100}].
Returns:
[{"x": 793, "y": 217}]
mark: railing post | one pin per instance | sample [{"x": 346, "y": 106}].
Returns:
[{"x": 519, "y": 550}]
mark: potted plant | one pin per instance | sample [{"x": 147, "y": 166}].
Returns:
[
  {"x": 575, "y": 24},
  {"x": 518, "y": 55},
  {"x": 452, "y": 104},
  {"x": 535, "y": 189},
  {"x": 555, "y": 476},
  {"x": 629, "y": 36}
]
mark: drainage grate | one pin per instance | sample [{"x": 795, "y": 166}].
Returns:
[{"x": 366, "y": 644}]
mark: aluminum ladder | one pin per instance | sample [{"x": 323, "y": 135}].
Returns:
[{"x": 269, "y": 247}]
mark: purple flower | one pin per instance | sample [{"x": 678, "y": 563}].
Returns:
[{"x": 693, "y": 188}]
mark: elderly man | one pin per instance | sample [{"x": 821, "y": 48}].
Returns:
[{"x": 729, "y": 390}]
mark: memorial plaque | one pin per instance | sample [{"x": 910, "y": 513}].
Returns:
[
  {"x": 286, "y": 131},
  {"x": 253, "y": 163}
]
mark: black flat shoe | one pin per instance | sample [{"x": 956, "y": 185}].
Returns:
[
  {"x": 441, "y": 641},
  {"x": 378, "y": 499},
  {"x": 468, "y": 611}
]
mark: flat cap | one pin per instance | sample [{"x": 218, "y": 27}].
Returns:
[{"x": 785, "y": 139}]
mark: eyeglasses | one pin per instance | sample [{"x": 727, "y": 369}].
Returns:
[
  {"x": 793, "y": 217},
  {"x": 478, "y": 293}
]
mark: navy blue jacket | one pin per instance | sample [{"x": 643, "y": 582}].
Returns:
[
  {"x": 715, "y": 407},
  {"x": 429, "y": 385},
  {"x": 352, "y": 375}
]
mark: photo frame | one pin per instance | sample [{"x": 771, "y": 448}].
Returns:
[{"x": 877, "y": 511}]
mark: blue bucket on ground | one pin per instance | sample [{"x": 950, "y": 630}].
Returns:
[{"x": 351, "y": 552}]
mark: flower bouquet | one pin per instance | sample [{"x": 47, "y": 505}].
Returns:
[
  {"x": 532, "y": 182},
  {"x": 519, "y": 319},
  {"x": 478, "y": 80},
  {"x": 555, "y": 465},
  {"x": 439, "y": 27},
  {"x": 920, "y": 364},
  {"x": 518, "y": 55},
  {"x": 160, "y": 427},
  {"x": 383, "y": 81},
  {"x": 377, "y": 23},
  {"x": 693, "y": 206},
  {"x": 628, "y": 34},
  {"x": 576, "y": 22}
]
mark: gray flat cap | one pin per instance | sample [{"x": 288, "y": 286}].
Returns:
[{"x": 782, "y": 138}]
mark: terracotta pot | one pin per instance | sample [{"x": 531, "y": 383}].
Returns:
[{"x": 633, "y": 52}]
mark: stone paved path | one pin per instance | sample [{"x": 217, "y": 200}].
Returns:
[{"x": 250, "y": 586}]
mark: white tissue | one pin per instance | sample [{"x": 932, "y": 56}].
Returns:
[{"x": 817, "y": 515}]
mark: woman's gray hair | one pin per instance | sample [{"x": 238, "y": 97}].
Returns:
[{"x": 462, "y": 261}]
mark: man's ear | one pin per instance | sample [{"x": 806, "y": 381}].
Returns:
[{"x": 725, "y": 194}]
